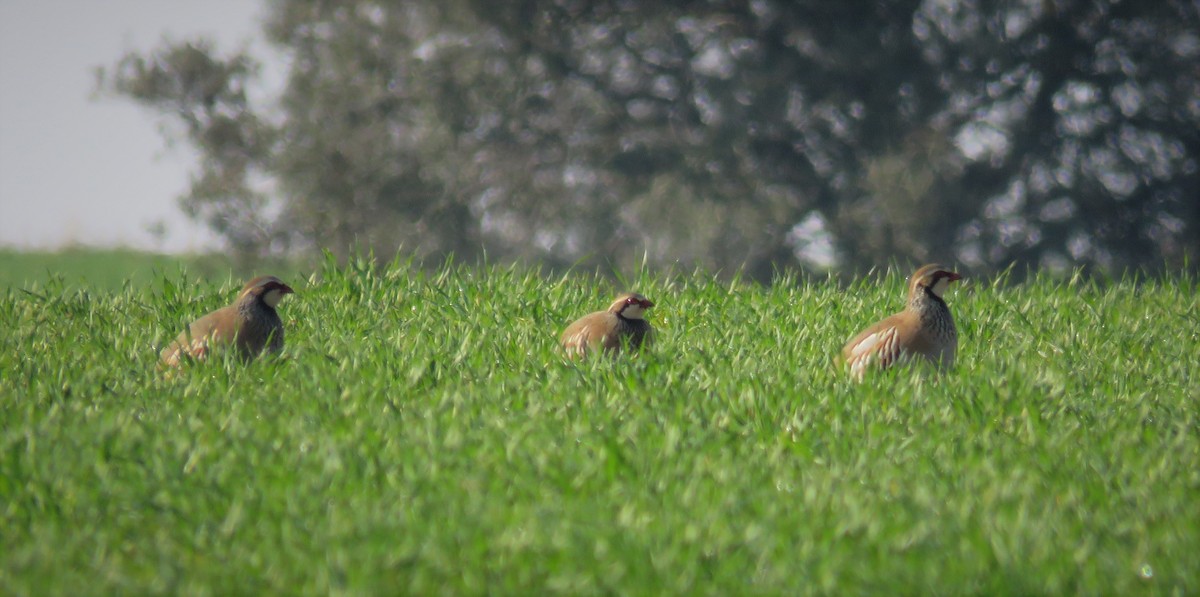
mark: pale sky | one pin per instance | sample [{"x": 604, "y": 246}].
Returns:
[{"x": 78, "y": 170}]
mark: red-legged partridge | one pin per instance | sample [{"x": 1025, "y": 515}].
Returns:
[
  {"x": 250, "y": 324},
  {"x": 924, "y": 329},
  {"x": 620, "y": 326}
]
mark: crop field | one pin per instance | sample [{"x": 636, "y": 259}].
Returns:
[
  {"x": 421, "y": 434},
  {"x": 111, "y": 269}
]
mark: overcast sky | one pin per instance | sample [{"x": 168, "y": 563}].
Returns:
[{"x": 78, "y": 170}]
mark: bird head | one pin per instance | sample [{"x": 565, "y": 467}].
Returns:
[
  {"x": 630, "y": 305},
  {"x": 268, "y": 289},
  {"x": 934, "y": 278}
]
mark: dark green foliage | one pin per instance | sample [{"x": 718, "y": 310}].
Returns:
[{"x": 1052, "y": 133}]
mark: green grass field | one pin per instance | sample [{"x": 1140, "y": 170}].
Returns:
[
  {"x": 420, "y": 435},
  {"x": 112, "y": 269}
]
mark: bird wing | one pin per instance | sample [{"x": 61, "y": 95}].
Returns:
[
  {"x": 884, "y": 344},
  {"x": 579, "y": 337},
  {"x": 216, "y": 327}
]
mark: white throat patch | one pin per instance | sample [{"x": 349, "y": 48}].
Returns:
[
  {"x": 939, "y": 287},
  {"x": 272, "y": 297},
  {"x": 632, "y": 311}
]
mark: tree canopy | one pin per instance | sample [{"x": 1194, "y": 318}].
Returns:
[{"x": 753, "y": 135}]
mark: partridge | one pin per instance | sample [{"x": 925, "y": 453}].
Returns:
[
  {"x": 924, "y": 329},
  {"x": 620, "y": 326},
  {"x": 250, "y": 324}
]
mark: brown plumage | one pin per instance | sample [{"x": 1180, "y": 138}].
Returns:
[
  {"x": 621, "y": 325},
  {"x": 250, "y": 324},
  {"x": 924, "y": 329}
]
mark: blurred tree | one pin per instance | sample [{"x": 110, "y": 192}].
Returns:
[
  {"x": 1082, "y": 128},
  {"x": 757, "y": 135},
  {"x": 208, "y": 97}
]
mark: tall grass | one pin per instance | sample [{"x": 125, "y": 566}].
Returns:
[{"x": 421, "y": 434}]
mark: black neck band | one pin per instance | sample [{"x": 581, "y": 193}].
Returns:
[{"x": 929, "y": 291}]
